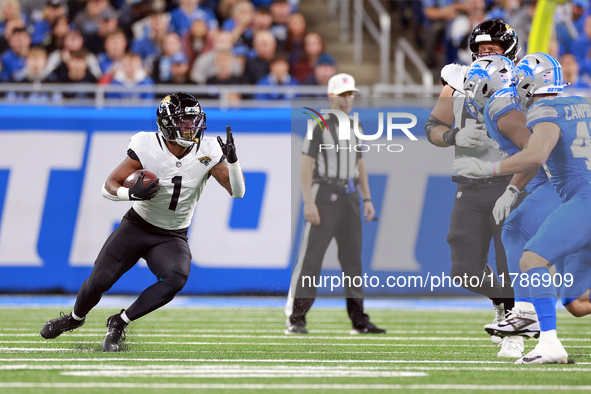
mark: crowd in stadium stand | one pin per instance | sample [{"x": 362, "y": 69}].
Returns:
[
  {"x": 443, "y": 27},
  {"x": 227, "y": 42},
  {"x": 132, "y": 43}
]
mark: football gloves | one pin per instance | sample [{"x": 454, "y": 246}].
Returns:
[
  {"x": 471, "y": 136},
  {"x": 228, "y": 149},
  {"x": 472, "y": 167},
  {"x": 141, "y": 192},
  {"x": 505, "y": 203}
]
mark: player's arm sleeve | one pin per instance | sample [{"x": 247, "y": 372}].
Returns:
[{"x": 311, "y": 147}]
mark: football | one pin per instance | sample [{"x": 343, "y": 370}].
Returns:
[{"x": 132, "y": 179}]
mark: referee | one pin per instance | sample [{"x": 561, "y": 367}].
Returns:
[{"x": 330, "y": 179}]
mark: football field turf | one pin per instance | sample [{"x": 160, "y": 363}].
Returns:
[{"x": 218, "y": 350}]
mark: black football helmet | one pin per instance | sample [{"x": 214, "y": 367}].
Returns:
[
  {"x": 181, "y": 119},
  {"x": 494, "y": 30}
]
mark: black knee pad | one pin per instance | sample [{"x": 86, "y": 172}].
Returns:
[
  {"x": 176, "y": 280},
  {"x": 102, "y": 281},
  {"x": 461, "y": 269}
]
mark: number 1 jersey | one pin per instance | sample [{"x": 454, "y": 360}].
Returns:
[{"x": 181, "y": 180}]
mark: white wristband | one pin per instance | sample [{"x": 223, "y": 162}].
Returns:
[
  {"x": 123, "y": 193},
  {"x": 236, "y": 180}
]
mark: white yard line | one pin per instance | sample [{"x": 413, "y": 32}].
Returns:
[
  {"x": 131, "y": 342},
  {"x": 260, "y": 360},
  {"x": 262, "y": 386},
  {"x": 275, "y": 368}
]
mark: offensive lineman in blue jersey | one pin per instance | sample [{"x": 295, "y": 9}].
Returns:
[
  {"x": 491, "y": 77},
  {"x": 560, "y": 139},
  {"x": 505, "y": 121}
]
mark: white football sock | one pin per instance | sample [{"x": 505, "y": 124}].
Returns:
[
  {"x": 125, "y": 318},
  {"x": 548, "y": 336},
  {"x": 76, "y": 317},
  {"x": 525, "y": 306}
]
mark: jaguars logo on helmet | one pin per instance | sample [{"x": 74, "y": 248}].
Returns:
[
  {"x": 497, "y": 31},
  {"x": 181, "y": 119}
]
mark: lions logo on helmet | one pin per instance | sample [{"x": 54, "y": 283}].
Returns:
[
  {"x": 537, "y": 73},
  {"x": 485, "y": 77}
]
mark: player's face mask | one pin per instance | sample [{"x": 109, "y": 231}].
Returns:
[{"x": 188, "y": 127}]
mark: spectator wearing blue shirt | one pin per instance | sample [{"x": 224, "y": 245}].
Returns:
[
  {"x": 131, "y": 75},
  {"x": 570, "y": 24},
  {"x": 582, "y": 45},
  {"x": 280, "y": 11},
  {"x": 110, "y": 60},
  {"x": 438, "y": 14},
  {"x": 148, "y": 45},
  {"x": 571, "y": 73},
  {"x": 240, "y": 25},
  {"x": 161, "y": 66},
  {"x": 187, "y": 11},
  {"x": 279, "y": 76},
  {"x": 42, "y": 27},
  {"x": 14, "y": 59},
  {"x": 179, "y": 69}
]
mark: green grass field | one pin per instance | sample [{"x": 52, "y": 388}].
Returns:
[{"x": 244, "y": 350}]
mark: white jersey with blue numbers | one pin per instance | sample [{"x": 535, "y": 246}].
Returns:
[
  {"x": 497, "y": 106},
  {"x": 181, "y": 180},
  {"x": 569, "y": 162},
  {"x": 453, "y": 75}
]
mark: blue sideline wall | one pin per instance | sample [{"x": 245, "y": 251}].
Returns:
[{"x": 53, "y": 219}]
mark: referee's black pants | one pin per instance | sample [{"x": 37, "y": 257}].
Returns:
[
  {"x": 471, "y": 229},
  {"x": 340, "y": 217}
]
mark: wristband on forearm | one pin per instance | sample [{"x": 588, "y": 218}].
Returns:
[
  {"x": 450, "y": 136},
  {"x": 123, "y": 193}
]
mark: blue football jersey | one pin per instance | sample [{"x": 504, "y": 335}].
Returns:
[
  {"x": 569, "y": 163},
  {"x": 500, "y": 104}
]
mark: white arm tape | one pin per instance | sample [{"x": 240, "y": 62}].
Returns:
[
  {"x": 122, "y": 194},
  {"x": 236, "y": 180},
  {"x": 108, "y": 195}
]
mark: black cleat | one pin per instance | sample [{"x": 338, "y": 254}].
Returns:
[
  {"x": 55, "y": 327},
  {"x": 368, "y": 329},
  {"x": 115, "y": 334},
  {"x": 295, "y": 329}
]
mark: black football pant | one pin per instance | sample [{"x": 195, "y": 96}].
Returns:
[
  {"x": 472, "y": 227},
  {"x": 340, "y": 218},
  {"x": 166, "y": 252}
]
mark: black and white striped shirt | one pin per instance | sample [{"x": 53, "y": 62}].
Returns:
[{"x": 332, "y": 162}]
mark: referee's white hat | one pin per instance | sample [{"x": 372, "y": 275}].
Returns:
[{"x": 341, "y": 83}]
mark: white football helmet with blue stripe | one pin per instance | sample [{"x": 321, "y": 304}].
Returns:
[
  {"x": 537, "y": 73},
  {"x": 485, "y": 77}
]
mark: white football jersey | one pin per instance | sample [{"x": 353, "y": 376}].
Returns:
[
  {"x": 453, "y": 75},
  {"x": 181, "y": 180}
]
